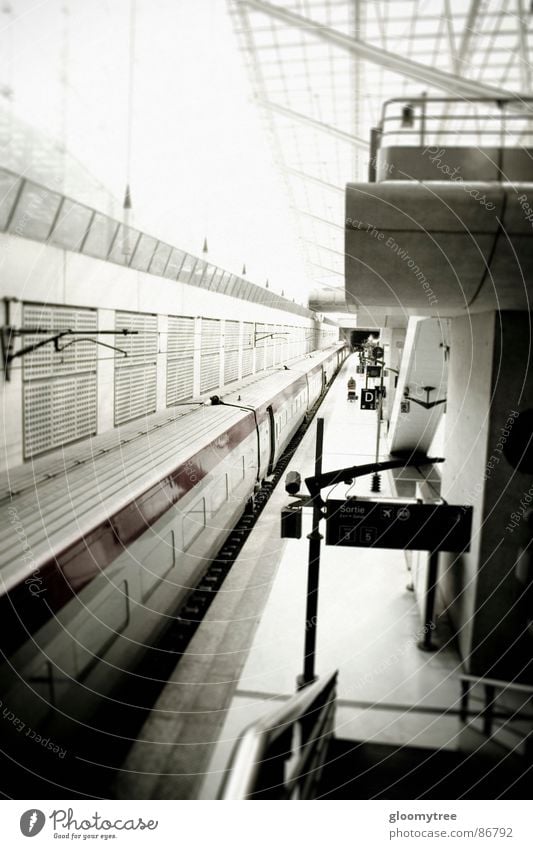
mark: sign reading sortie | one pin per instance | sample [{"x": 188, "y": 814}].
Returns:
[{"x": 362, "y": 523}]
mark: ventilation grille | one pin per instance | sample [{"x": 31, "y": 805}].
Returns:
[
  {"x": 270, "y": 345},
  {"x": 136, "y": 374},
  {"x": 57, "y": 412},
  {"x": 210, "y": 362},
  {"x": 135, "y": 392},
  {"x": 231, "y": 351},
  {"x": 281, "y": 344},
  {"x": 46, "y": 362},
  {"x": 59, "y": 390},
  {"x": 180, "y": 359},
  {"x": 248, "y": 349}
]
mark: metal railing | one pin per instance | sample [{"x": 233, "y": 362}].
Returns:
[
  {"x": 491, "y": 715},
  {"x": 33, "y": 211},
  {"x": 429, "y": 121},
  {"x": 281, "y": 755}
]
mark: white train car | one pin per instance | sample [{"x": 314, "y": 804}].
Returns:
[{"x": 102, "y": 543}]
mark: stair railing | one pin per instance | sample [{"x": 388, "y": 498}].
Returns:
[{"x": 281, "y": 755}]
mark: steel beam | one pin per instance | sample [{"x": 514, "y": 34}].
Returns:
[
  {"x": 429, "y": 76},
  {"x": 312, "y": 179},
  {"x": 312, "y": 122}
]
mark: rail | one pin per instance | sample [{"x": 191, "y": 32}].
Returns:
[
  {"x": 281, "y": 755},
  {"x": 33, "y": 211},
  {"x": 429, "y": 121},
  {"x": 493, "y": 689}
]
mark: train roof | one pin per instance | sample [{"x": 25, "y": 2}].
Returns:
[{"x": 48, "y": 504}]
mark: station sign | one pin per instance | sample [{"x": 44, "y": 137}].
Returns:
[
  {"x": 363, "y": 523},
  {"x": 368, "y": 399},
  {"x": 373, "y": 371}
]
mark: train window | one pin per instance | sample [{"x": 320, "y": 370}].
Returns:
[
  {"x": 193, "y": 523},
  {"x": 101, "y": 625},
  {"x": 157, "y": 563},
  {"x": 237, "y": 473},
  {"x": 219, "y": 493}
]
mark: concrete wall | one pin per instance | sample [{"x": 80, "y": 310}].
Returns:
[
  {"x": 490, "y": 380},
  {"x": 423, "y": 364}
]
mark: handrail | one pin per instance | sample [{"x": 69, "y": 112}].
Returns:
[
  {"x": 258, "y": 759},
  {"x": 498, "y": 683},
  {"x": 402, "y": 117}
]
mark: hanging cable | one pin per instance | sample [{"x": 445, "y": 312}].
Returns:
[{"x": 126, "y": 246}]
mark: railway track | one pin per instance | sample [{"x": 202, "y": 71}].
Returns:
[{"x": 117, "y": 723}]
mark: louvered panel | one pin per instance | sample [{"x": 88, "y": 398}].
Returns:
[
  {"x": 57, "y": 412},
  {"x": 247, "y": 348},
  {"x": 210, "y": 372},
  {"x": 279, "y": 342},
  {"x": 283, "y": 345},
  {"x": 143, "y": 345},
  {"x": 179, "y": 380},
  {"x": 259, "y": 357},
  {"x": 210, "y": 362},
  {"x": 46, "y": 361},
  {"x": 270, "y": 343},
  {"x": 136, "y": 374},
  {"x": 135, "y": 392},
  {"x": 180, "y": 359},
  {"x": 231, "y": 351},
  {"x": 180, "y": 340}
]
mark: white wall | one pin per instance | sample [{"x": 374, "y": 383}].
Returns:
[{"x": 38, "y": 273}]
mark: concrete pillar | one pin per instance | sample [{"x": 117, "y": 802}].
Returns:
[{"x": 490, "y": 382}]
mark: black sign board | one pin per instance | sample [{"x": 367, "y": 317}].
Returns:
[
  {"x": 368, "y": 399},
  {"x": 363, "y": 523},
  {"x": 373, "y": 371}
]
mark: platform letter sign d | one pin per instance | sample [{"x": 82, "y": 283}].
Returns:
[{"x": 368, "y": 399}]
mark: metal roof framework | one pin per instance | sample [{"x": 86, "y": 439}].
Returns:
[{"x": 321, "y": 69}]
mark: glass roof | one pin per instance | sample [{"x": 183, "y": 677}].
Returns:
[{"x": 320, "y": 98}]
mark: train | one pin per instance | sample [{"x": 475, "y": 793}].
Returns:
[{"x": 101, "y": 542}]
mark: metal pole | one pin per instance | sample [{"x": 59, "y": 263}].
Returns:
[
  {"x": 313, "y": 570},
  {"x": 425, "y": 643},
  {"x": 423, "y": 120},
  {"x": 380, "y": 404}
]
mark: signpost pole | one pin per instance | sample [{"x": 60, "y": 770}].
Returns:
[
  {"x": 426, "y": 644},
  {"x": 380, "y": 407},
  {"x": 313, "y": 571}
]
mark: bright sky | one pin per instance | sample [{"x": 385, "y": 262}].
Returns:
[{"x": 201, "y": 161}]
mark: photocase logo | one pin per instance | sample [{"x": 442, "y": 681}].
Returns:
[{"x": 32, "y": 822}]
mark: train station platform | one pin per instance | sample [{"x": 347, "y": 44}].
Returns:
[{"x": 246, "y": 655}]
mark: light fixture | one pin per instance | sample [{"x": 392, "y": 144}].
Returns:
[
  {"x": 205, "y": 248},
  {"x": 408, "y": 116}
]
